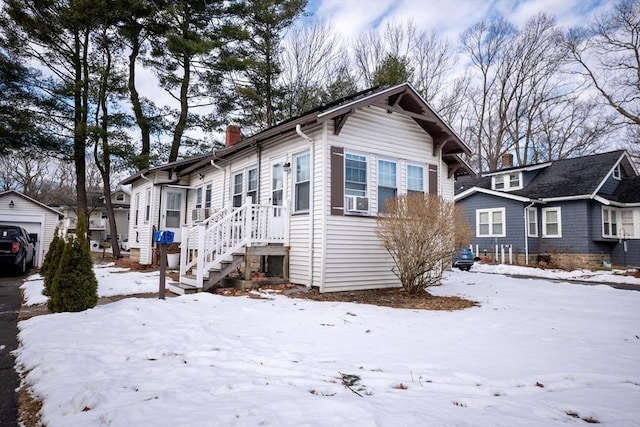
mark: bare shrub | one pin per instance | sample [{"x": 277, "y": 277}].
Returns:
[{"x": 419, "y": 232}]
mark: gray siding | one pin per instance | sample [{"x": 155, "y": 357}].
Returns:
[
  {"x": 514, "y": 221},
  {"x": 630, "y": 257},
  {"x": 528, "y": 176},
  {"x": 609, "y": 185}
]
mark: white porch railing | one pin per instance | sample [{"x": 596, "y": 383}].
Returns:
[{"x": 206, "y": 245}]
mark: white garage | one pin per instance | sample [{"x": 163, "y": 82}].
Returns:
[{"x": 33, "y": 216}]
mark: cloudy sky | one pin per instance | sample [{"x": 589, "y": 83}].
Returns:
[{"x": 449, "y": 17}]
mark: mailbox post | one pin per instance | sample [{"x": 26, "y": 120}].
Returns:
[{"x": 162, "y": 237}]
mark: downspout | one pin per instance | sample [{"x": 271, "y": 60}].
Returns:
[
  {"x": 311, "y": 197},
  {"x": 526, "y": 234},
  {"x": 259, "y": 172}
]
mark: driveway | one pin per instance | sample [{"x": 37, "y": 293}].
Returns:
[{"x": 9, "y": 307}]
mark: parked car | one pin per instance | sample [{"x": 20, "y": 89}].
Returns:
[
  {"x": 17, "y": 248},
  {"x": 463, "y": 259}
]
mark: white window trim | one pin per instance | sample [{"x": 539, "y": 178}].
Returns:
[
  {"x": 424, "y": 176},
  {"x": 610, "y": 211},
  {"x": 296, "y": 156},
  {"x": 137, "y": 210},
  {"x": 368, "y": 181},
  {"x": 490, "y": 212},
  {"x": 617, "y": 173},
  {"x": 507, "y": 182},
  {"x": 398, "y": 171},
  {"x": 630, "y": 232},
  {"x": 147, "y": 207},
  {"x": 199, "y": 197},
  {"x": 534, "y": 211},
  {"x": 544, "y": 223},
  {"x": 245, "y": 184}
]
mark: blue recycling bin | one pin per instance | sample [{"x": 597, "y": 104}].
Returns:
[{"x": 163, "y": 236}]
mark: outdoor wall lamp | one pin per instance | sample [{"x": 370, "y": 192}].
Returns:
[
  {"x": 286, "y": 167},
  {"x": 11, "y": 204}
]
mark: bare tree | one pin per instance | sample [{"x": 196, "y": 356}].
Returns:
[
  {"x": 310, "y": 57},
  {"x": 485, "y": 44},
  {"x": 38, "y": 176},
  {"x": 419, "y": 234},
  {"x": 522, "y": 100},
  {"x": 608, "y": 53},
  {"x": 427, "y": 55}
]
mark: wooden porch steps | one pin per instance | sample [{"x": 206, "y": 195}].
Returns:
[
  {"x": 211, "y": 277},
  {"x": 181, "y": 288}
]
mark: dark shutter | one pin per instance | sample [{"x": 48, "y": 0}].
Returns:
[
  {"x": 433, "y": 179},
  {"x": 337, "y": 181}
]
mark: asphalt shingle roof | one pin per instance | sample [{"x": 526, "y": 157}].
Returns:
[
  {"x": 571, "y": 177},
  {"x": 579, "y": 176},
  {"x": 628, "y": 191}
]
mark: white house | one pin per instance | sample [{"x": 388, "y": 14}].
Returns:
[
  {"x": 318, "y": 182},
  {"x": 36, "y": 218},
  {"x": 99, "y": 229}
]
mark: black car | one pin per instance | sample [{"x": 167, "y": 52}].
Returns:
[{"x": 17, "y": 248}]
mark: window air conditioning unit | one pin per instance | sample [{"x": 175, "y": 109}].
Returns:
[
  {"x": 199, "y": 214},
  {"x": 357, "y": 204}
]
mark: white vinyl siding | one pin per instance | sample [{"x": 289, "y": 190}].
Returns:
[
  {"x": 353, "y": 255},
  {"x": 34, "y": 218},
  {"x": 551, "y": 222}
]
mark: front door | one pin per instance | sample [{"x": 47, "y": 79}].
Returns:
[
  {"x": 278, "y": 185},
  {"x": 173, "y": 208}
]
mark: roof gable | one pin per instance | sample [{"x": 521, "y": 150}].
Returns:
[
  {"x": 566, "y": 178},
  {"x": 400, "y": 99},
  {"x": 34, "y": 201}
]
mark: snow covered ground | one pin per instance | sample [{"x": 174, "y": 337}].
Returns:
[
  {"x": 533, "y": 353},
  {"x": 112, "y": 281}
]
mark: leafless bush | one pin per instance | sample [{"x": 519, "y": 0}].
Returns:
[{"x": 420, "y": 233}]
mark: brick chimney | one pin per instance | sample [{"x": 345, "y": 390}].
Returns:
[
  {"x": 507, "y": 160},
  {"x": 233, "y": 135}
]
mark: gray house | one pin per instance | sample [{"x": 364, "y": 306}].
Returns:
[{"x": 579, "y": 212}]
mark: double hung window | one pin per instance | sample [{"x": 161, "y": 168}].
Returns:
[
  {"x": 490, "y": 222},
  {"x": 551, "y": 222},
  {"x": 355, "y": 175},
  {"x": 415, "y": 179},
  {"x": 302, "y": 182},
  {"x": 387, "y": 183}
]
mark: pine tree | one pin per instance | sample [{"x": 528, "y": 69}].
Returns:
[
  {"x": 52, "y": 261},
  {"x": 75, "y": 287}
]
